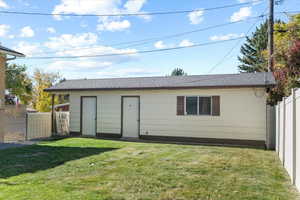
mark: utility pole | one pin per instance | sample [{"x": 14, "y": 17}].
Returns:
[{"x": 270, "y": 35}]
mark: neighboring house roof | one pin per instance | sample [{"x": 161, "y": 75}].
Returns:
[
  {"x": 11, "y": 52},
  {"x": 262, "y": 79}
]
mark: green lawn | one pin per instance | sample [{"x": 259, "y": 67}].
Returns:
[{"x": 78, "y": 168}]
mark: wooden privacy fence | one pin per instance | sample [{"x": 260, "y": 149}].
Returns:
[
  {"x": 288, "y": 135},
  {"x": 39, "y": 125}
]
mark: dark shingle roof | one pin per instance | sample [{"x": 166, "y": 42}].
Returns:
[
  {"x": 169, "y": 82},
  {"x": 10, "y": 51}
]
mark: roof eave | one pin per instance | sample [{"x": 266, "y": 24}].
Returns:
[
  {"x": 157, "y": 88},
  {"x": 12, "y": 53}
]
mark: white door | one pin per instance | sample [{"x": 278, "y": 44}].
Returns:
[
  {"x": 130, "y": 117},
  {"x": 89, "y": 118}
]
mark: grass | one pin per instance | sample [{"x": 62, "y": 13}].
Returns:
[{"x": 78, "y": 168}]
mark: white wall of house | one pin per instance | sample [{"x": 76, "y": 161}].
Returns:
[{"x": 243, "y": 113}]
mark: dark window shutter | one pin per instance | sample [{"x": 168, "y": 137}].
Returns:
[
  {"x": 180, "y": 105},
  {"x": 216, "y": 105}
]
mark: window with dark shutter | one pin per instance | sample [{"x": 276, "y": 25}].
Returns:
[
  {"x": 216, "y": 105},
  {"x": 191, "y": 105},
  {"x": 180, "y": 105},
  {"x": 204, "y": 105}
]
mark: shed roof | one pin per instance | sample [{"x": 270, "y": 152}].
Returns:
[
  {"x": 11, "y": 52},
  {"x": 261, "y": 79}
]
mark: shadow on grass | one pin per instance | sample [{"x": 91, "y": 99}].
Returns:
[{"x": 33, "y": 158}]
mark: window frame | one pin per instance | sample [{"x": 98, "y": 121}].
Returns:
[{"x": 198, "y": 114}]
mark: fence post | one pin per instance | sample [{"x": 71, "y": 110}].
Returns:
[
  {"x": 283, "y": 131},
  {"x": 294, "y": 134},
  {"x": 278, "y": 128},
  {"x": 26, "y": 131}
]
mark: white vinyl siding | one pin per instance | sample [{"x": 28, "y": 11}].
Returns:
[
  {"x": 243, "y": 113},
  {"x": 74, "y": 113},
  {"x": 109, "y": 114}
]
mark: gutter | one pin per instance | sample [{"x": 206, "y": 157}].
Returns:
[
  {"x": 155, "y": 88},
  {"x": 13, "y": 58}
]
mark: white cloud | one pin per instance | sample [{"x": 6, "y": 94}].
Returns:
[
  {"x": 100, "y": 50},
  {"x": 93, "y": 63},
  {"x": 254, "y": 1},
  {"x": 78, "y": 65},
  {"x": 242, "y": 14},
  {"x": 28, "y": 49},
  {"x": 226, "y": 37},
  {"x": 51, "y": 30},
  {"x": 11, "y": 36},
  {"x": 134, "y": 5},
  {"x": 75, "y": 45},
  {"x": 159, "y": 45},
  {"x": 128, "y": 72},
  {"x": 27, "y": 32},
  {"x": 196, "y": 17},
  {"x": 66, "y": 41},
  {"x": 4, "y": 28},
  {"x": 114, "y": 25},
  {"x": 3, "y": 4},
  {"x": 102, "y": 7},
  {"x": 186, "y": 43},
  {"x": 87, "y": 7}
]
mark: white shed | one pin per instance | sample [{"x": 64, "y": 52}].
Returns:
[{"x": 225, "y": 108}]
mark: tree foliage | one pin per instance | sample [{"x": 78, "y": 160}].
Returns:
[
  {"x": 252, "y": 58},
  {"x": 178, "y": 72},
  {"x": 18, "y": 82},
  {"x": 43, "y": 80},
  {"x": 286, "y": 56}
]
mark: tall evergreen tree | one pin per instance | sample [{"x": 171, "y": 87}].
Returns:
[{"x": 252, "y": 58}]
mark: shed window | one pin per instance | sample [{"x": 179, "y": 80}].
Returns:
[
  {"x": 191, "y": 105},
  {"x": 195, "y": 105},
  {"x": 204, "y": 105}
]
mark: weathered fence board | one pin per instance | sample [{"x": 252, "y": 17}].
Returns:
[{"x": 62, "y": 123}]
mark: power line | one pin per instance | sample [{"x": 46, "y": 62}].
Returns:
[
  {"x": 126, "y": 14},
  {"x": 128, "y": 53},
  {"x": 233, "y": 47},
  {"x": 147, "y": 40}
]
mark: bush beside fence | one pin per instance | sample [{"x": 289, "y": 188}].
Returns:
[{"x": 288, "y": 135}]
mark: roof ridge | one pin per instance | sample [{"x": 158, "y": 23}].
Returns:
[{"x": 194, "y": 75}]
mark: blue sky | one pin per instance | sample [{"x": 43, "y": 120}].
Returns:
[{"x": 69, "y": 36}]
